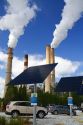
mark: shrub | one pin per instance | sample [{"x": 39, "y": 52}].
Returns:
[
  {"x": 15, "y": 122},
  {"x": 2, "y": 121}
]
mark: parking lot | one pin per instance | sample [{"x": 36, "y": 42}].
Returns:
[
  {"x": 61, "y": 120},
  {"x": 56, "y": 119}
]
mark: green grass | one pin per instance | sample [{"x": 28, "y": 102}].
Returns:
[{"x": 16, "y": 121}]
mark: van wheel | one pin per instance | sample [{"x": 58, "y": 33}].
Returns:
[
  {"x": 15, "y": 114},
  {"x": 41, "y": 114}
]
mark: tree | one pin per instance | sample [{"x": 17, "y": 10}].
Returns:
[
  {"x": 23, "y": 95},
  {"x": 11, "y": 94}
]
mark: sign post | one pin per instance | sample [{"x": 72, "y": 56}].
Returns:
[
  {"x": 70, "y": 103},
  {"x": 34, "y": 103}
]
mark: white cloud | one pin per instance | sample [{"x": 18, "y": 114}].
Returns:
[
  {"x": 3, "y": 57},
  {"x": 80, "y": 73},
  {"x": 1, "y": 66},
  {"x": 2, "y": 82},
  {"x": 17, "y": 66},
  {"x": 36, "y": 60},
  {"x": 66, "y": 67}
]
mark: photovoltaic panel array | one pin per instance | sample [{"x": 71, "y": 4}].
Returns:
[
  {"x": 70, "y": 84},
  {"x": 33, "y": 75}
]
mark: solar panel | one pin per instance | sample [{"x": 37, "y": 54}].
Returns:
[
  {"x": 69, "y": 84},
  {"x": 80, "y": 91},
  {"x": 33, "y": 75}
]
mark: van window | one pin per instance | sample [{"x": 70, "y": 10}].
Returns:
[{"x": 22, "y": 103}]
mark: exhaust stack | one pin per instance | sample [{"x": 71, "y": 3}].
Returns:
[
  {"x": 48, "y": 79},
  {"x": 25, "y": 61},
  {"x": 50, "y": 59},
  {"x": 25, "y": 67},
  {"x": 8, "y": 68}
]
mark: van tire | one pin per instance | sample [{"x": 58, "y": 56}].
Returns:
[
  {"x": 40, "y": 114},
  {"x": 15, "y": 114}
]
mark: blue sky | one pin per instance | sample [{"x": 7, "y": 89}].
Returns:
[{"x": 39, "y": 33}]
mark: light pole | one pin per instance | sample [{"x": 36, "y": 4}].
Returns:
[{"x": 34, "y": 105}]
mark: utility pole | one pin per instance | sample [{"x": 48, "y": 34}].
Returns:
[{"x": 34, "y": 107}]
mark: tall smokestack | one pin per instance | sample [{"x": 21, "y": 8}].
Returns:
[
  {"x": 52, "y": 60},
  {"x": 25, "y": 61},
  {"x": 48, "y": 80},
  {"x": 9, "y": 68},
  {"x": 26, "y": 66}
]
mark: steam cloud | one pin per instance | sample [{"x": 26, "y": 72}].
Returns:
[
  {"x": 18, "y": 14},
  {"x": 72, "y": 12}
]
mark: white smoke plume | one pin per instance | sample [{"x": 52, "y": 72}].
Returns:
[
  {"x": 18, "y": 14},
  {"x": 72, "y": 12}
]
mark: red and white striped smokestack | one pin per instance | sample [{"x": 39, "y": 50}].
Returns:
[
  {"x": 26, "y": 61},
  {"x": 48, "y": 79},
  {"x": 8, "y": 68}
]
